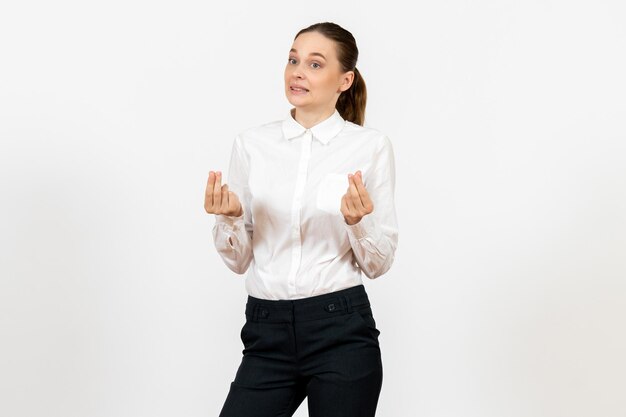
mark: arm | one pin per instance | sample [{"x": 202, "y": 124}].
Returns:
[
  {"x": 374, "y": 238},
  {"x": 233, "y": 235}
]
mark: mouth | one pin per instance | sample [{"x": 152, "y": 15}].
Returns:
[{"x": 298, "y": 90}]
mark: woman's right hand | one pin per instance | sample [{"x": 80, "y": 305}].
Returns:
[{"x": 217, "y": 198}]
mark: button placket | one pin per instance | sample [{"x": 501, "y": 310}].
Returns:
[{"x": 296, "y": 241}]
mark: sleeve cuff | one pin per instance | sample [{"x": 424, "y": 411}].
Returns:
[
  {"x": 366, "y": 227},
  {"x": 231, "y": 221}
]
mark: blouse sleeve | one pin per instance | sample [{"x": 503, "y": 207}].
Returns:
[
  {"x": 232, "y": 235},
  {"x": 374, "y": 238}
]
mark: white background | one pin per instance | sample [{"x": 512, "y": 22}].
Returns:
[{"x": 507, "y": 296}]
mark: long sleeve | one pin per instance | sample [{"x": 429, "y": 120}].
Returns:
[
  {"x": 232, "y": 235},
  {"x": 374, "y": 238}
]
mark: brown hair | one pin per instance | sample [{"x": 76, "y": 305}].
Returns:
[{"x": 351, "y": 103}]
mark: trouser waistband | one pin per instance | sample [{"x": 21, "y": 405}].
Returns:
[{"x": 309, "y": 308}]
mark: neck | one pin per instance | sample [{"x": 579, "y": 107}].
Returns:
[{"x": 309, "y": 118}]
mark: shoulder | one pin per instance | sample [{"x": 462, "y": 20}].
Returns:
[
  {"x": 269, "y": 131},
  {"x": 371, "y": 135}
]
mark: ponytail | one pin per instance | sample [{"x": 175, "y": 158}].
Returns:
[{"x": 351, "y": 103}]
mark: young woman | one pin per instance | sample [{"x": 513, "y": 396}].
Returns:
[{"x": 308, "y": 207}]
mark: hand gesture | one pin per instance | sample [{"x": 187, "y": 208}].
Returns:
[
  {"x": 217, "y": 198},
  {"x": 356, "y": 202}
]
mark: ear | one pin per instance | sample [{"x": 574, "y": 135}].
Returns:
[{"x": 346, "y": 82}]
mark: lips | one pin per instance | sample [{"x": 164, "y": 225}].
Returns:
[{"x": 298, "y": 88}]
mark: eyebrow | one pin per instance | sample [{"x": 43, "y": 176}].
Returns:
[{"x": 312, "y": 53}]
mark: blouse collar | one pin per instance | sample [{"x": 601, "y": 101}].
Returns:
[{"x": 324, "y": 131}]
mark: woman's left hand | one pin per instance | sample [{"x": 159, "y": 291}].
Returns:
[{"x": 356, "y": 202}]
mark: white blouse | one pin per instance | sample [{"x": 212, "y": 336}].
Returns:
[{"x": 292, "y": 238}]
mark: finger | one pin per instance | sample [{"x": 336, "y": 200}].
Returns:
[
  {"x": 355, "y": 197},
  {"x": 364, "y": 195},
  {"x": 225, "y": 197},
  {"x": 209, "y": 188},
  {"x": 348, "y": 206},
  {"x": 217, "y": 189}
]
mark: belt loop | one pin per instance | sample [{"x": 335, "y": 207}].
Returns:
[{"x": 346, "y": 300}]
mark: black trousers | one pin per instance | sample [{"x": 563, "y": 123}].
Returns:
[{"x": 323, "y": 347}]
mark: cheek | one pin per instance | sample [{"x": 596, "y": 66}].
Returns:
[{"x": 323, "y": 87}]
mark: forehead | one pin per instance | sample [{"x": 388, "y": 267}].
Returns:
[{"x": 311, "y": 42}]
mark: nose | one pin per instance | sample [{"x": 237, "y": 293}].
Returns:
[{"x": 297, "y": 72}]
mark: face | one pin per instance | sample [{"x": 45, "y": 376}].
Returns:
[{"x": 313, "y": 65}]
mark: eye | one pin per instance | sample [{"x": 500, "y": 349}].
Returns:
[{"x": 314, "y": 63}]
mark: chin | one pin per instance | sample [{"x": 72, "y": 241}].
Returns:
[{"x": 296, "y": 102}]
